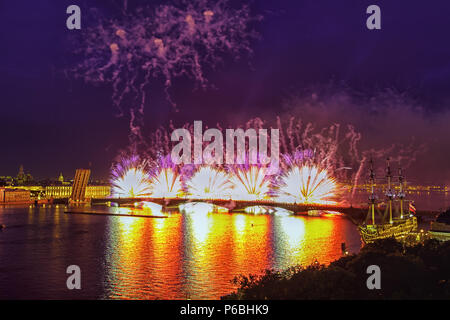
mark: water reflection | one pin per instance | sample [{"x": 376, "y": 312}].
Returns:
[
  {"x": 143, "y": 261},
  {"x": 190, "y": 254},
  {"x": 195, "y": 254}
]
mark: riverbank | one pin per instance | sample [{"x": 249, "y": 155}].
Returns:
[{"x": 419, "y": 272}]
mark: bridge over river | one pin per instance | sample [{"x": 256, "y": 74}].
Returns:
[{"x": 240, "y": 205}]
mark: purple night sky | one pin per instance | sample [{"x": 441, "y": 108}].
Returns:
[{"x": 52, "y": 123}]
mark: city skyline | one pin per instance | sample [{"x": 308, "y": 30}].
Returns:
[{"x": 23, "y": 175}]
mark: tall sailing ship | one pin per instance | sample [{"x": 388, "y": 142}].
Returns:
[{"x": 394, "y": 222}]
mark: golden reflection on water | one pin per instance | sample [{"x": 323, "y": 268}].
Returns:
[
  {"x": 144, "y": 261},
  {"x": 196, "y": 254}
]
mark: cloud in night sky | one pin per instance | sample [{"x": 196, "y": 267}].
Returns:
[{"x": 384, "y": 118}]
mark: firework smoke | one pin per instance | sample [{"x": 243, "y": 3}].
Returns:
[
  {"x": 381, "y": 125},
  {"x": 162, "y": 43}
]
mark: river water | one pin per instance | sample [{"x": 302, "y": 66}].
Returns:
[{"x": 187, "y": 255}]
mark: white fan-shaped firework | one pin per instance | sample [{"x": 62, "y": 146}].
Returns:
[
  {"x": 250, "y": 183},
  {"x": 307, "y": 184},
  {"x": 166, "y": 183},
  {"x": 209, "y": 183},
  {"x": 132, "y": 183}
]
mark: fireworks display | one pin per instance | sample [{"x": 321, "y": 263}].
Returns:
[
  {"x": 250, "y": 183},
  {"x": 209, "y": 183},
  {"x": 304, "y": 184},
  {"x": 307, "y": 184},
  {"x": 130, "y": 179},
  {"x": 165, "y": 179},
  {"x": 187, "y": 38},
  {"x": 166, "y": 184},
  {"x": 313, "y": 162},
  {"x": 162, "y": 43}
]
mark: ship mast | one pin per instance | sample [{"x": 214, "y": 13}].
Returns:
[
  {"x": 401, "y": 194},
  {"x": 389, "y": 193},
  {"x": 372, "y": 197}
]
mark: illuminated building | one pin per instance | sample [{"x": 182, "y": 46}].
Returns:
[
  {"x": 58, "y": 192},
  {"x": 6, "y": 180},
  {"x": 54, "y": 189},
  {"x": 64, "y": 192},
  {"x": 22, "y": 177},
  {"x": 21, "y": 174},
  {"x": 93, "y": 192},
  {"x": 14, "y": 195},
  {"x": 61, "y": 178}
]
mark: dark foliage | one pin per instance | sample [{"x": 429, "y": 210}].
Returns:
[{"x": 419, "y": 272}]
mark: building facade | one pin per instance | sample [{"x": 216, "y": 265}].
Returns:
[
  {"x": 96, "y": 192},
  {"x": 58, "y": 192},
  {"x": 14, "y": 196},
  {"x": 64, "y": 192}
]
